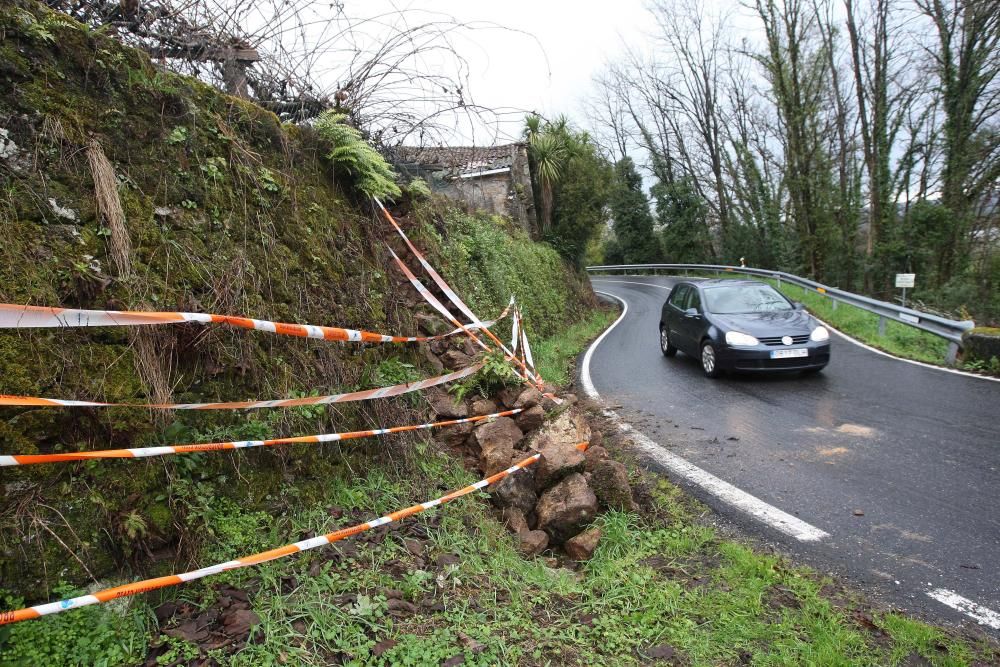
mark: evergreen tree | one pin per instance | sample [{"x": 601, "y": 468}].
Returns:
[
  {"x": 633, "y": 221},
  {"x": 682, "y": 215}
]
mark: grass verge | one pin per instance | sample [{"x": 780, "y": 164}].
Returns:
[
  {"x": 449, "y": 588},
  {"x": 554, "y": 355}
]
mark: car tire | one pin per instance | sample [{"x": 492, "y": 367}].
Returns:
[
  {"x": 709, "y": 360},
  {"x": 666, "y": 348}
]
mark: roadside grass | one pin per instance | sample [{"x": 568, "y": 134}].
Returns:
[
  {"x": 449, "y": 586},
  {"x": 554, "y": 355}
]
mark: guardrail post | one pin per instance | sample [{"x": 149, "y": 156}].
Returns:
[
  {"x": 952, "y": 355},
  {"x": 833, "y": 303},
  {"x": 881, "y": 325},
  {"x": 779, "y": 282}
]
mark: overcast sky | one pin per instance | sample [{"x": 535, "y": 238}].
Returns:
[{"x": 550, "y": 68}]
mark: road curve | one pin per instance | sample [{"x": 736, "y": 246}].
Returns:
[{"x": 899, "y": 463}]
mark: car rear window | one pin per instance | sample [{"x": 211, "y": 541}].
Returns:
[{"x": 732, "y": 299}]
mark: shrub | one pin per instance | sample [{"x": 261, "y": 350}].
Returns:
[{"x": 352, "y": 155}]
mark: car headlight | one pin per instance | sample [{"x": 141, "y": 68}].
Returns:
[
  {"x": 738, "y": 339},
  {"x": 819, "y": 335}
]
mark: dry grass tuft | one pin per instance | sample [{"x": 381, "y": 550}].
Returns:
[{"x": 109, "y": 205}]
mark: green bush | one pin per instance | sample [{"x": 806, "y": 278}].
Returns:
[{"x": 351, "y": 154}]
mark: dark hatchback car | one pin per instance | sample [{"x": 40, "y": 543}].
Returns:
[{"x": 741, "y": 325}]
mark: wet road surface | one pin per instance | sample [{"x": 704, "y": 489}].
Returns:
[{"x": 899, "y": 463}]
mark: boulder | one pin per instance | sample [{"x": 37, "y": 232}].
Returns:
[
  {"x": 594, "y": 455},
  {"x": 455, "y": 360},
  {"x": 431, "y": 357},
  {"x": 517, "y": 491},
  {"x": 443, "y": 404},
  {"x": 514, "y": 519},
  {"x": 484, "y": 406},
  {"x": 533, "y": 543},
  {"x": 502, "y": 431},
  {"x": 528, "y": 398},
  {"x": 565, "y": 508},
  {"x": 431, "y": 325},
  {"x": 455, "y": 435},
  {"x": 609, "y": 480},
  {"x": 559, "y": 459},
  {"x": 569, "y": 427},
  {"x": 582, "y": 546},
  {"x": 596, "y": 438},
  {"x": 508, "y": 396},
  {"x": 470, "y": 348},
  {"x": 531, "y": 418}
]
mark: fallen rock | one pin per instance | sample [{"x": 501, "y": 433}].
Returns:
[
  {"x": 496, "y": 440},
  {"x": 455, "y": 360},
  {"x": 455, "y": 435},
  {"x": 528, "y": 398},
  {"x": 565, "y": 508},
  {"x": 469, "y": 348},
  {"x": 609, "y": 480},
  {"x": 531, "y": 419},
  {"x": 514, "y": 519},
  {"x": 484, "y": 406},
  {"x": 597, "y": 439},
  {"x": 508, "y": 396},
  {"x": 569, "y": 427},
  {"x": 516, "y": 491},
  {"x": 430, "y": 324},
  {"x": 443, "y": 404},
  {"x": 431, "y": 357},
  {"x": 594, "y": 455},
  {"x": 582, "y": 546},
  {"x": 533, "y": 542},
  {"x": 559, "y": 459}
]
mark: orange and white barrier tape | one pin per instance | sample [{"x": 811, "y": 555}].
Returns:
[
  {"x": 365, "y": 395},
  {"x": 13, "y": 316},
  {"x": 446, "y": 289},
  {"x": 435, "y": 276},
  {"x": 147, "y": 585},
  {"x": 145, "y": 452}
]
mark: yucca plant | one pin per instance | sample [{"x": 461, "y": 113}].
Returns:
[{"x": 352, "y": 155}]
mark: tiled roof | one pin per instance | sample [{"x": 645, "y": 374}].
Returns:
[{"x": 462, "y": 159}]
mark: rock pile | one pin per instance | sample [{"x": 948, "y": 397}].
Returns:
[{"x": 552, "y": 503}]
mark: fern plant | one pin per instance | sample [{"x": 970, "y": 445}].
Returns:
[{"x": 351, "y": 154}]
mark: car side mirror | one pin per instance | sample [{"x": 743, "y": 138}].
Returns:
[
  {"x": 691, "y": 312},
  {"x": 798, "y": 305}
]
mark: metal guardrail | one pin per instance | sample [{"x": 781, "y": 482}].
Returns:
[{"x": 950, "y": 330}]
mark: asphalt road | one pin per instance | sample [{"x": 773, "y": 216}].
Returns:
[{"x": 915, "y": 449}]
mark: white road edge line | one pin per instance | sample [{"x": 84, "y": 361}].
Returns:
[
  {"x": 981, "y": 614},
  {"x": 726, "y": 492},
  {"x": 846, "y": 337}
]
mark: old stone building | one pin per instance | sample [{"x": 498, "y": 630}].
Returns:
[{"x": 495, "y": 179}]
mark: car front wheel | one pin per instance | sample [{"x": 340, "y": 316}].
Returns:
[
  {"x": 665, "y": 346},
  {"x": 709, "y": 360}
]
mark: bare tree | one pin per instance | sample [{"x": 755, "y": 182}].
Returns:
[{"x": 299, "y": 57}]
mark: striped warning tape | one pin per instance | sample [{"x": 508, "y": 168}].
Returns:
[
  {"x": 13, "y": 316},
  {"x": 147, "y": 585},
  {"x": 365, "y": 395},
  {"x": 144, "y": 452},
  {"x": 527, "y": 376},
  {"x": 435, "y": 276},
  {"x": 452, "y": 296}
]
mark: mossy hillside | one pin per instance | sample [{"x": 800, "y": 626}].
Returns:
[{"x": 227, "y": 210}]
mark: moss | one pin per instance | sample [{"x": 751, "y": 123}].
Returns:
[
  {"x": 301, "y": 254},
  {"x": 985, "y": 331}
]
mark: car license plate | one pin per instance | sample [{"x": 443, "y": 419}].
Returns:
[{"x": 789, "y": 354}]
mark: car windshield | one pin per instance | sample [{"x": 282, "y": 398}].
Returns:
[{"x": 732, "y": 299}]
